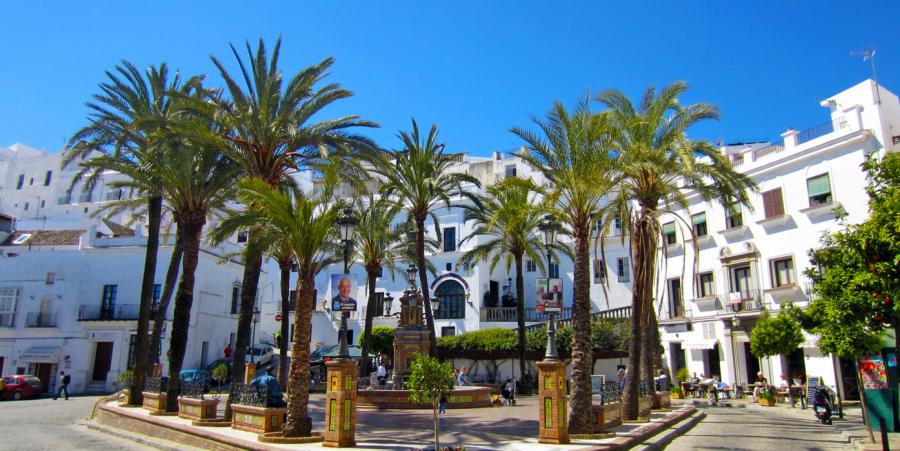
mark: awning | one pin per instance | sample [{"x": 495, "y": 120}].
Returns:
[
  {"x": 40, "y": 354},
  {"x": 698, "y": 344}
]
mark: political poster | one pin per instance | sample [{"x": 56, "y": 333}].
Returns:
[
  {"x": 342, "y": 288},
  {"x": 549, "y": 295}
]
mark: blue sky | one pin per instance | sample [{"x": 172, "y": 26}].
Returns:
[{"x": 474, "y": 68}]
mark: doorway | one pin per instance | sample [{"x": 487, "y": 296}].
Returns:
[
  {"x": 675, "y": 298},
  {"x": 44, "y": 372},
  {"x": 796, "y": 364},
  {"x": 678, "y": 360},
  {"x": 712, "y": 362},
  {"x": 204, "y": 354},
  {"x": 848, "y": 379},
  {"x": 102, "y": 360},
  {"x": 751, "y": 363},
  {"x": 1, "y": 366}
]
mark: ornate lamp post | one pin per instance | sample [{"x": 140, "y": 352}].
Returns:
[
  {"x": 388, "y": 303},
  {"x": 256, "y": 313},
  {"x": 346, "y": 225},
  {"x": 549, "y": 228}
]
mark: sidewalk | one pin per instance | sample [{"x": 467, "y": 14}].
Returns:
[{"x": 495, "y": 428}]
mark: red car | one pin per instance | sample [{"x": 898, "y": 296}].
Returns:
[{"x": 21, "y": 387}]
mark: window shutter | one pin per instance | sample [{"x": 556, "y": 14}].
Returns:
[
  {"x": 733, "y": 210},
  {"x": 772, "y": 203},
  {"x": 698, "y": 218},
  {"x": 668, "y": 228},
  {"x": 818, "y": 185}
]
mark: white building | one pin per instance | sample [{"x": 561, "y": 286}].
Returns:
[
  {"x": 70, "y": 284},
  {"x": 750, "y": 261}
]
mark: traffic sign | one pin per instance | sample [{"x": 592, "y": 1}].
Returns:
[{"x": 278, "y": 317}]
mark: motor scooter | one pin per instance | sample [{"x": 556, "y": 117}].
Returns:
[{"x": 822, "y": 405}]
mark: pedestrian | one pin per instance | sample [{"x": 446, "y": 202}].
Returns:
[
  {"x": 621, "y": 377},
  {"x": 456, "y": 376},
  {"x": 462, "y": 379},
  {"x": 228, "y": 350},
  {"x": 63, "y": 388},
  {"x": 382, "y": 374},
  {"x": 442, "y": 404}
]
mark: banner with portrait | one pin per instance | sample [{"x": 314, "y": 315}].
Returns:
[
  {"x": 549, "y": 295},
  {"x": 343, "y": 287}
]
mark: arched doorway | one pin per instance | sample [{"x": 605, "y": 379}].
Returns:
[{"x": 452, "y": 298}]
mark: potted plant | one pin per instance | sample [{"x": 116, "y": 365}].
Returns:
[
  {"x": 676, "y": 392},
  {"x": 125, "y": 381},
  {"x": 766, "y": 398}
]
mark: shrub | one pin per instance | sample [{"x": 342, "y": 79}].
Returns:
[
  {"x": 125, "y": 378},
  {"x": 220, "y": 372},
  {"x": 682, "y": 375}
]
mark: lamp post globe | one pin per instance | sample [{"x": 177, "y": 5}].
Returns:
[{"x": 411, "y": 275}]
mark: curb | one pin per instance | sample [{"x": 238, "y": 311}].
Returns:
[
  {"x": 665, "y": 438},
  {"x": 143, "y": 440},
  {"x": 645, "y": 433}
]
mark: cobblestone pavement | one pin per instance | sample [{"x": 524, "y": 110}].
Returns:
[
  {"x": 45, "y": 424},
  {"x": 753, "y": 427}
]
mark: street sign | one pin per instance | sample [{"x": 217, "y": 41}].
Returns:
[{"x": 278, "y": 317}]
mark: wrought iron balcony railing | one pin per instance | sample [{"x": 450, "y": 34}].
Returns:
[{"x": 36, "y": 319}]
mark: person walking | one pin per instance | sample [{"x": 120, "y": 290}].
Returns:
[
  {"x": 381, "y": 373},
  {"x": 63, "y": 388},
  {"x": 442, "y": 404},
  {"x": 228, "y": 350}
]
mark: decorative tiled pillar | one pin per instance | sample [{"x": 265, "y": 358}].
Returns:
[
  {"x": 249, "y": 372},
  {"x": 554, "y": 427},
  {"x": 340, "y": 404}
]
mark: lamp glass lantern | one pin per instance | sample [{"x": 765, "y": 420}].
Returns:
[
  {"x": 347, "y": 225},
  {"x": 435, "y": 304},
  {"x": 411, "y": 274},
  {"x": 550, "y": 229},
  {"x": 388, "y": 302}
]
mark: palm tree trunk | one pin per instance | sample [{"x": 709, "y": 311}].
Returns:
[
  {"x": 582, "y": 350},
  {"x": 284, "y": 266},
  {"x": 423, "y": 280},
  {"x": 371, "y": 278},
  {"x": 650, "y": 354},
  {"x": 298, "y": 423},
  {"x": 252, "y": 268},
  {"x": 520, "y": 313},
  {"x": 159, "y": 318},
  {"x": 642, "y": 240},
  {"x": 154, "y": 217},
  {"x": 193, "y": 227}
]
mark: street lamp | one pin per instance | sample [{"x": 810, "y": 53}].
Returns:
[
  {"x": 256, "y": 313},
  {"x": 550, "y": 229},
  {"x": 411, "y": 275},
  {"x": 388, "y": 303},
  {"x": 346, "y": 227}
]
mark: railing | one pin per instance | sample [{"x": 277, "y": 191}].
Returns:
[
  {"x": 744, "y": 301},
  {"x": 248, "y": 395},
  {"x": 122, "y": 312},
  {"x": 499, "y": 314},
  {"x": 616, "y": 313},
  {"x": 7, "y": 319},
  {"x": 770, "y": 149},
  {"x": 736, "y": 160},
  {"x": 193, "y": 389},
  {"x": 821, "y": 130},
  {"x": 85, "y": 197},
  {"x": 156, "y": 384},
  {"x": 64, "y": 200},
  {"x": 114, "y": 195},
  {"x": 667, "y": 315},
  {"x": 36, "y": 319},
  {"x": 609, "y": 393},
  {"x": 566, "y": 318},
  {"x": 645, "y": 389}
]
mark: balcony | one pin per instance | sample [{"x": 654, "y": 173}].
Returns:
[
  {"x": 742, "y": 302},
  {"x": 122, "y": 312},
  {"x": 667, "y": 316},
  {"x": 510, "y": 314},
  {"x": 37, "y": 319},
  {"x": 85, "y": 198},
  {"x": 8, "y": 319}
]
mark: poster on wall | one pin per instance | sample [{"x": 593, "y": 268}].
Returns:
[
  {"x": 342, "y": 286},
  {"x": 549, "y": 295},
  {"x": 873, "y": 373}
]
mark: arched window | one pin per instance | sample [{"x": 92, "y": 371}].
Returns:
[{"x": 453, "y": 300}]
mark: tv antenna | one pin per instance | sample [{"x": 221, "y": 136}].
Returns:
[{"x": 868, "y": 54}]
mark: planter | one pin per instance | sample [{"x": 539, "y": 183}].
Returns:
[
  {"x": 606, "y": 417},
  {"x": 665, "y": 402},
  {"x": 644, "y": 403},
  {"x": 197, "y": 409},
  {"x": 154, "y": 402},
  {"x": 260, "y": 420},
  {"x": 766, "y": 402},
  {"x": 677, "y": 395}
]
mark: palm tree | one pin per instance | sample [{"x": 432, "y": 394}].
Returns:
[
  {"x": 419, "y": 178},
  {"x": 307, "y": 225},
  {"x": 266, "y": 126},
  {"x": 658, "y": 166},
  {"x": 508, "y": 216},
  {"x": 379, "y": 245},
  {"x": 128, "y": 126},
  {"x": 572, "y": 152}
]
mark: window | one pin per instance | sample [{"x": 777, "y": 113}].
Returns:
[
  {"x": 295, "y": 267},
  {"x": 350, "y": 337},
  {"x": 675, "y": 310},
  {"x": 42, "y": 203},
  {"x": 599, "y": 271},
  {"x": 380, "y": 272},
  {"x": 47, "y": 178},
  {"x": 9, "y": 297},
  {"x": 448, "y": 331},
  {"x": 699, "y": 222},
  {"x": 31, "y": 181},
  {"x": 157, "y": 295},
  {"x": 705, "y": 285},
  {"x": 616, "y": 227},
  {"x": 530, "y": 266},
  {"x": 379, "y": 303},
  {"x": 108, "y": 301},
  {"x": 26, "y": 206},
  {"x": 451, "y": 300},
  {"x": 510, "y": 171},
  {"x": 448, "y": 266},
  {"x": 819, "y": 190},
  {"x": 599, "y": 225},
  {"x": 783, "y": 272},
  {"x": 733, "y": 216},
  {"x": 449, "y": 239},
  {"x": 21, "y": 181},
  {"x": 292, "y": 300},
  {"x": 623, "y": 270},
  {"x": 132, "y": 344},
  {"x": 242, "y": 237},
  {"x": 669, "y": 235},
  {"x": 772, "y": 203},
  {"x": 235, "y": 298},
  {"x": 554, "y": 270}
]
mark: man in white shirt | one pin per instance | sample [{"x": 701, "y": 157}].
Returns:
[{"x": 382, "y": 374}]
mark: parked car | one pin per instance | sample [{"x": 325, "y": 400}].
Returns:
[
  {"x": 262, "y": 355},
  {"x": 198, "y": 376},
  {"x": 21, "y": 387}
]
